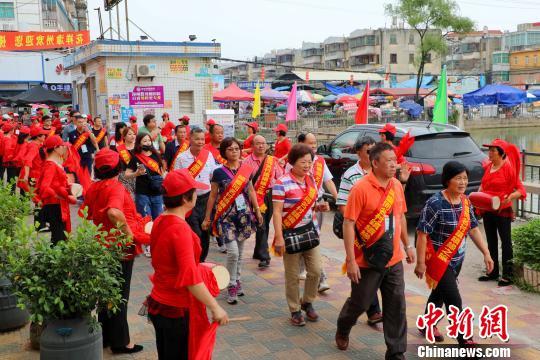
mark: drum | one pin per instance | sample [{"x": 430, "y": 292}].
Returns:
[
  {"x": 76, "y": 190},
  {"x": 148, "y": 227},
  {"x": 220, "y": 272},
  {"x": 486, "y": 202}
]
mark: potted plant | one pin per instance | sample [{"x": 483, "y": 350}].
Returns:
[
  {"x": 13, "y": 207},
  {"x": 526, "y": 245},
  {"x": 62, "y": 285}
]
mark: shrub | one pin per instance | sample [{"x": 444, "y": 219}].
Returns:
[{"x": 526, "y": 242}]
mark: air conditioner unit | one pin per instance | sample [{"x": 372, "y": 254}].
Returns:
[{"x": 145, "y": 71}]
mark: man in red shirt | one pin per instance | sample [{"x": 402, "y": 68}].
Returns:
[
  {"x": 283, "y": 144},
  {"x": 377, "y": 203}
]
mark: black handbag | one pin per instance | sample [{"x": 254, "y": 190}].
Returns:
[
  {"x": 380, "y": 252},
  {"x": 337, "y": 226},
  {"x": 301, "y": 239}
]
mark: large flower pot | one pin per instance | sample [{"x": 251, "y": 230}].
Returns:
[
  {"x": 531, "y": 277},
  {"x": 70, "y": 339},
  {"x": 11, "y": 317}
]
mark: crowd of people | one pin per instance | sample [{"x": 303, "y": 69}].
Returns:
[{"x": 197, "y": 185}]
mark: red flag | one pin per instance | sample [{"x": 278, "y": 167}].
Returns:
[
  {"x": 404, "y": 145},
  {"x": 361, "y": 116}
]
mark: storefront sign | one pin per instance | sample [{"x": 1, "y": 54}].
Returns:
[
  {"x": 57, "y": 87},
  {"x": 147, "y": 96},
  {"x": 179, "y": 66},
  {"x": 127, "y": 112},
  {"x": 35, "y": 40},
  {"x": 251, "y": 85},
  {"x": 114, "y": 73}
]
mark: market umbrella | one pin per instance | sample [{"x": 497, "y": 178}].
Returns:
[
  {"x": 38, "y": 94},
  {"x": 317, "y": 97},
  {"x": 233, "y": 93},
  {"x": 305, "y": 96},
  {"x": 346, "y": 99},
  {"x": 330, "y": 98},
  {"x": 270, "y": 94}
]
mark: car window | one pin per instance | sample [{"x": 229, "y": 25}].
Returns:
[
  {"x": 444, "y": 146},
  {"x": 344, "y": 143},
  {"x": 374, "y": 135}
]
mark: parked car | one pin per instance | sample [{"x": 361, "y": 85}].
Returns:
[{"x": 434, "y": 146}]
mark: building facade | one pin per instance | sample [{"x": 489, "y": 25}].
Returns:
[
  {"x": 117, "y": 79},
  {"x": 21, "y": 70},
  {"x": 525, "y": 68}
]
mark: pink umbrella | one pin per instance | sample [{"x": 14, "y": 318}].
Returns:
[{"x": 347, "y": 99}]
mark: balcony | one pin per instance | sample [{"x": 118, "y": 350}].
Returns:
[
  {"x": 50, "y": 24},
  {"x": 334, "y": 55},
  {"x": 364, "y": 50}
]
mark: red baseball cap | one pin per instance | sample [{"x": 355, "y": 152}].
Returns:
[
  {"x": 180, "y": 181},
  {"x": 131, "y": 118},
  {"x": 106, "y": 158},
  {"x": 281, "y": 127},
  {"x": 37, "y": 131},
  {"x": 7, "y": 127},
  {"x": 253, "y": 125},
  {"x": 497, "y": 143},
  {"x": 34, "y": 117},
  {"x": 388, "y": 128},
  {"x": 211, "y": 122},
  {"x": 54, "y": 141},
  {"x": 24, "y": 130},
  {"x": 165, "y": 114},
  {"x": 89, "y": 117}
]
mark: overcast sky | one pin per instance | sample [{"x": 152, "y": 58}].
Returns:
[{"x": 246, "y": 28}]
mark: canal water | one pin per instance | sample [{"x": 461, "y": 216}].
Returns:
[{"x": 526, "y": 138}]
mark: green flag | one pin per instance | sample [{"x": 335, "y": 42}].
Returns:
[{"x": 440, "y": 111}]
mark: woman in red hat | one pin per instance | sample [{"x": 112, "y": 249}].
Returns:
[
  {"x": 501, "y": 178},
  {"x": 176, "y": 305},
  {"x": 166, "y": 127},
  {"x": 133, "y": 122},
  {"x": 31, "y": 160},
  {"x": 53, "y": 190},
  {"x": 283, "y": 144},
  {"x": 208, "y": 124},
  {"x": 110, "y": 205},
  {"x": 13, "y": 159},
  {"x": 252, "y": 128}
]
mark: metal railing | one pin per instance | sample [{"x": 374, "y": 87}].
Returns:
[
  {"x": 500, "y": 112},
  {"x": 530, "y": 173}
]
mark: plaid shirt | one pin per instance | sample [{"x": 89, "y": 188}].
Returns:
[
  {"x": 349, "y": 178},
  {"x": 439, "y": 219}
]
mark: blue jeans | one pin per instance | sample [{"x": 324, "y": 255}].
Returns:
[{"x": 149, "y": 205}]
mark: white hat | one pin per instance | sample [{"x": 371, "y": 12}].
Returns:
[
  {"x": 84, "y": 116},
  {"x": 6, "y": 117}
]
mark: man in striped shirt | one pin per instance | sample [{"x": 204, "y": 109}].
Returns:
[{"x": 349, "y": 178}]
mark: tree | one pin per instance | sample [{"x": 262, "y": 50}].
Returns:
[{"x": 427, "y": 15}]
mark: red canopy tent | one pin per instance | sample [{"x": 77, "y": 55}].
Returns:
[{"x": 233, "y": 93}]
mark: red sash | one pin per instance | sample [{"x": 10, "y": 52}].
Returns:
[
  {"x": 318, "y": 171},
  {"x": 149, "y": 163},
  {"x": 81, "y": 140},
  {"x": 180, "y": 150},
  {"x": 235, "y": 188},
  {"x": 100, "y": 136},
  {"x": 196, "y": 166},
  {"x": 437, "y": 262},
  {"x": 216, "y": 154},
  {"x": 52, "y": 132},
  {"x": 123, "y": 152},
  {"x": 370, "y": 229},
  {"x": 264, "y": 180},
  {"x": 300, "y": 209}
]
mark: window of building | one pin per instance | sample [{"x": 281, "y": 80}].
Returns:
[
  {"x": 6, "y": 10},
  {"x": 393, "y": 39},
  {"x": 411, "y": 39},
  {"x": 185, "y": 99},
  {"x": 526, "y": 60},
  {"x": 428, "y": 58},
  {"x": 536, "y": 59},
  {"x": 411, "y": 58},
  {"x": 515, "y": 60},
  {"x": 393, "y": 58}
]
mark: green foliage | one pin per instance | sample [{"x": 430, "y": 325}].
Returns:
[
  {"x": 68, "y": 280},
  {"x": 12, "y": 208},
  {"x": 426, "y": 15},
  {"x": 526, "y": 243}
]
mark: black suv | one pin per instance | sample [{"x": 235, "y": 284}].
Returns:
[{"x": 434, "y": 146}]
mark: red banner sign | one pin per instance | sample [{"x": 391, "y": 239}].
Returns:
[{"x": 14, "y": 40}]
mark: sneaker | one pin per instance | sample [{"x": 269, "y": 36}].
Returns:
[
  {"x": 222, "y": 249},
  {"x": 232, "y": 296},
  {"x": 484, "y": 278},
  {"x": 147, "y": 252},
  {"x": 310, "y": 312},
  {"x": 297, "y": 319},
  {"x": 302, "y": 275},
  {"x": 44, "y": 229},
  {"x": 436, "y": 334},
  {"x": 239, "y": 290},
  {"x": 264, "y": 264},
  {"x": 504, "y": 282},
  {"x": 323, "y": 286},
  {"x": 375, "y": 318}
]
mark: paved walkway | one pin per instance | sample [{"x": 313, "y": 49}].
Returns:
[{"x": 268, "y": 334}]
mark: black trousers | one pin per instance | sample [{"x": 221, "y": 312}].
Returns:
[
  {"x": 392, "y": 287},
  {"x": 115, "y": 326},
  {"x": 494, "y": 224},
  {"x": 2, "y": 170},
  {"x": 261, "y": 237},
  {"x": 447, "y": 293},
  {"x": 52, "y": 213},
  {"x": 12, "y": 173},
  {"x": 195, "y": 221},
  {"x": 171, "y": 337}
]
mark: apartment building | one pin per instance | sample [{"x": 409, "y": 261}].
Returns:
[
  {"x": 312, "y": 55},
  {"x": 525, "y": 67},
  {"x": 336, "y": 52}
]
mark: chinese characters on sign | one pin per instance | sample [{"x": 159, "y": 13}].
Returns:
[
  {"x": 12, "y": 40},
  {"x": 147, "y": 96},
  {"x": 179, "y": 66},
  {"x": 492, "y": 322},
  {"x": 114, "y": 73},
  {"x": 57, "y": 87}
]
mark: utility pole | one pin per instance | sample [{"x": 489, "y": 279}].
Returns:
[
  {"x": 110, "y": 24},
  {"x": 118, "y": 20},
  {"x": 127, "y": 20}
]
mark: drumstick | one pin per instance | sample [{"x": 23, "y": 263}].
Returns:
[{"x": 241, "y": 318}]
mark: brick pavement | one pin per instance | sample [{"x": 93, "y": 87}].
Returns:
[{"x": 268, "y": 334}]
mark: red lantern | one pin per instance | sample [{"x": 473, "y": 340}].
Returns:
[
  {"x": 307, "y": 76},
  {"x": 262, "y": 73}
]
